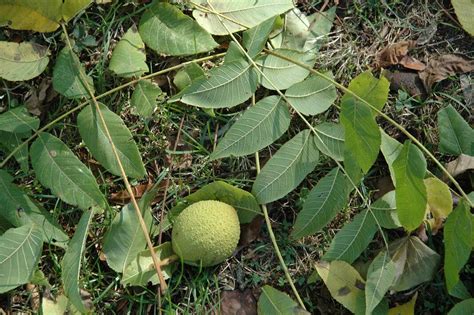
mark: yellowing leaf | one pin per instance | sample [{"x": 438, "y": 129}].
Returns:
[
  {"x": 414, "y": 262},
  {"x": 465, "y": 11},
  {"x": 405, "y": 309},
  {"x": 344, "y": 283},
  {"x": 440, "y": 201},
  {"x": 39, "y": 15},
  {"x": 22, "y": 61}
]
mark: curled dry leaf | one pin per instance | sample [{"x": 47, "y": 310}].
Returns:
[
  {"x": 123, "y": 197},
  {"x": 467, "y": 87},
  {"x": 237, "y": 302},
  {"x": 408, "y": 81},
  {"x": 397, "y": 54},
  {"x": 39, "y": 98},
  {"x": 250, "y": 231},
  {"x": 444, "y": 66}
]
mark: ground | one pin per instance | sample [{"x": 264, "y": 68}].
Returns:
[{"x": 361, "y": 30}]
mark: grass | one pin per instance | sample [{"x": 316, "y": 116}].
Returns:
[{"x": 361, "y": 30}]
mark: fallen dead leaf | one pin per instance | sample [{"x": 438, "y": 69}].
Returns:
[
  {"x": 460, "y": 165},
  {"x": 249, "y": 232},
  {"x": 39, "y": 98},
  {"x": 123, "y": 197},
  {"x": 412, "y": 63},
  {"x": 397, "y": 54},
  {"x": 35, "y": 296},
  {"x": 237, "y": 302},
  {"x": 444, "y": 66},
  {"x": 467, "y": 87},
  {"x": 384, "y": 185},
  {"x": 407, "y": 81}
]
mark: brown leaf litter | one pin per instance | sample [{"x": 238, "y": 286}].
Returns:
[
  {"x": 238, "y": 302},
  {"x": 419, "y": 83}
]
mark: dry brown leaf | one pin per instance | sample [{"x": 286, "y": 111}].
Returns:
[
  {"x": 249, "y": 232},
  {"x": 237, "y": 302},
  {"x": 408, "y": 81},
  {"x": 123, "y": 197},
  {"x": 35, "y": 296},
  {"x": 39, "y": 98},
  {"x": 467, "y": 87},
  {"x": 444, "y": 66},
  {"x": 384, "y": 185},
  {"x": 412, "y": 63},
  {"x": 460, "y": 165},
  {"x": 392, "y": 54}
]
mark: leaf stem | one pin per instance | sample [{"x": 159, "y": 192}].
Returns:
[
  {"x": 268, "y": 223},
  {"x": 143, "y": 226}
]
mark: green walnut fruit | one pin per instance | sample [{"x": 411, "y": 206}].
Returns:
[{"x": 206, "y": 233}]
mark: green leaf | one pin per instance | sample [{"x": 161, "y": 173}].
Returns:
[
  {"x": 141, "y": 270},
  {"x": 295, "y": 31},
  {"x": 60, "y": 170},
  {"x": 18, "y": 120},
  {"x": 344, "y": 283},
  {"x": 234, "y": 53},
  {"x": 464, "y": 10},
  {"x": 243, "y": 201},
  {"x": 226, "y": 86},
  {"x": 455, "y": 134},
  {"x": 361, "y": 131},
  {"x": 94, "y": 135},
  {"x": 312, "y": 96},
  {"x": 23, "y": 61},
  {"x": 438, "y": 196},
  {"x": 463, "y": 308},
  {"x": 39, "y": 16},
  {"x": 282, "y": 73},
  {"x": 320, "y": 26},
  {"x": 379, "y": 279},
  {"x": 352, "y": 239},
  {"x": 272, "y": 301},
  {"x": 128, "y": 57},
  {"x": 124, "y": 239},
  {"x": 457, "y": 243},
  {"x": 414, "y": 262},
  {"x": 10, "y": 141},
  {"x": 18, "y": 210},
  {"x": 20, "y": 251},
  {"x": 322, "y": 204},
  {"x": 144, "y": 97},
  {"x": 186, "y": 75},
  {"x": 71, "y": 263},
  {"x": 287, "y": 168},
  {"x": 391, "y": 149},
  {"x": 166, "y": 30},
  {"x": 330, "y": 140},
  {"x": 68, "y": 76},
  {"x": 259, "y": 126},
  {"x": 236, "y": 16},
  {"x": 255, "y": 38},
  {"x": 367, "y": 87},
  {"x": 410, "y": 170},
  {"x": 385, "y": 211}
]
